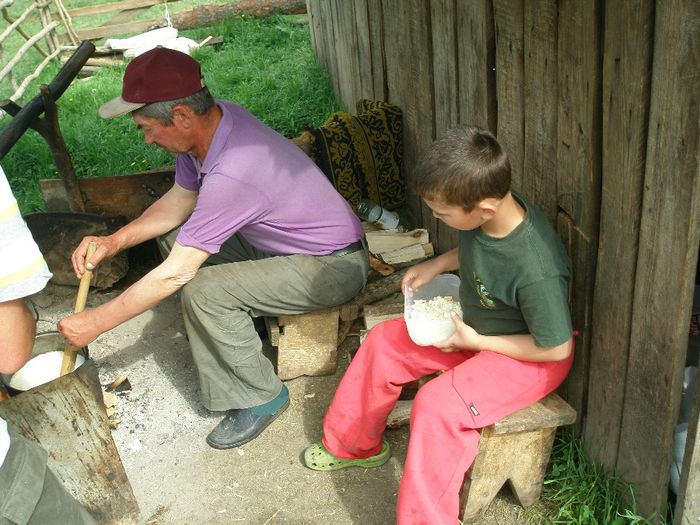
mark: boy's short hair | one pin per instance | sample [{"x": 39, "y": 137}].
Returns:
[{"x": 462, "y": 168}]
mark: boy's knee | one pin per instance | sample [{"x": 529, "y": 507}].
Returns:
[{"x": 433, "y": 400}]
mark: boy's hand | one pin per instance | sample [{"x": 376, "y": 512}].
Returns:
[
  {"x": 418, "y": 275},
  {"x": 465, "y": 338}
]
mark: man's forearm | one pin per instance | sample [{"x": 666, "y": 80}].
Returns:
[
  {"x": 139, "y": 297},
  {"x": 171, "y": 275}
]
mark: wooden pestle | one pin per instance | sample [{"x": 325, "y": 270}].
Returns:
[{"x": 69, "y": 351}]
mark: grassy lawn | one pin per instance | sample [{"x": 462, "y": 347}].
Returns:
[{"x": 267, "y": 65}]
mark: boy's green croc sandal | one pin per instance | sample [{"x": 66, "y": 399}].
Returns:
[{"x": 316, "y": 457}]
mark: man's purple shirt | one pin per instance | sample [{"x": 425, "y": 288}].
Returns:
[{"x": 259, "y": 183}]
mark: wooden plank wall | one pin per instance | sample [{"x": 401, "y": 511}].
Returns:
[{"x": 596, "y": 103}]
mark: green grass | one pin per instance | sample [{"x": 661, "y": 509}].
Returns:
[
  {"x": 267, "y": 65},
  {"x": 577, "y": 492}
]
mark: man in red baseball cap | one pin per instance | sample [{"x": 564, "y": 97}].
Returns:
[{"x": 250, "y": 228}]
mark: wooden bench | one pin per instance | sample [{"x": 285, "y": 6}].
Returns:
[
  {"x": 515, "y": 449},
  {"x": 307, "y": 344}
]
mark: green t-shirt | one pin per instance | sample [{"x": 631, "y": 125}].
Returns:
[{"x": 517, "y": 284}]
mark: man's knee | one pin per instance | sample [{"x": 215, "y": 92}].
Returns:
[{"x": 199, "y": 290}]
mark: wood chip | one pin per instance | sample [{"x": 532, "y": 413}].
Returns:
[
  {"x": 120, "y": 384},
  {"x": 110, "y": 399}
]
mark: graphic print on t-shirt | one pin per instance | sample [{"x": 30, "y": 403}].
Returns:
[{"x": 484, "y": 295}]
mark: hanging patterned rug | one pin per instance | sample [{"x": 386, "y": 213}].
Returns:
[{"x": 361, "y": 154}]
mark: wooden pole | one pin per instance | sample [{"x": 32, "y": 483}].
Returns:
[
  {"x": 11, "y": 133},
  {"x": 70, "y": 351}
]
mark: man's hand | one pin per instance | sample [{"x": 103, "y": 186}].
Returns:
[
  {"x": 79, "y": 329},
  {"x": 464, "y": 338},
  {"x": 106, "y": 247}
]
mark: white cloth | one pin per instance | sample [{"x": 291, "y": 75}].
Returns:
[
  {"x": 164, "y": 37},
  {"x": 4, "y": 441},
  {"x": 23, "y": 270}
]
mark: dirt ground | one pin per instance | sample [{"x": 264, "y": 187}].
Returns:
[{"x": 177, "y": 478}]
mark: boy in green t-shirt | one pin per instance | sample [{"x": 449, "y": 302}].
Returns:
[{"x": 513, "y": 347}]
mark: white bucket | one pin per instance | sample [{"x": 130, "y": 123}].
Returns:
[{"x": 43, "y": 366}]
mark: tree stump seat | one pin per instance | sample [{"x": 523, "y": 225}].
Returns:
[{"x": 307, "y": 344}]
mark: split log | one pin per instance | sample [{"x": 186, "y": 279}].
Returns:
[
  {"x": 408, "y": 254},
  {"x": 203, "y": 16},
  {"x": 386, "y": 240},
  {"x": 208, "y": 15},
  {"x": 377, "y": 313},
  {"x": 373, "y": 292}
]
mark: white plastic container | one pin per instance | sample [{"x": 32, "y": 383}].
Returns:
[{"x": 428, "y": 310}]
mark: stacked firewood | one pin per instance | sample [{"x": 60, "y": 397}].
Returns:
[{"x": 391, "y": 254}]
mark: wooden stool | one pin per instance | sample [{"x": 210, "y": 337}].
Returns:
[
  {"x": 514, "y": 449},
  {"x": 307, "y": 344}
]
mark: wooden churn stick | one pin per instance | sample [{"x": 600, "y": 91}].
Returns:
[{"x": 69, "y": 351}]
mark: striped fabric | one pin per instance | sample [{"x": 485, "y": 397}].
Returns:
[{"x": 23, "y": 270}]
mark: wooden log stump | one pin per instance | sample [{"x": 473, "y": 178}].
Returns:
[{"x": 307, "y": 344}]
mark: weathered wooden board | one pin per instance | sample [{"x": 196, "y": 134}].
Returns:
[
  {"x": 67, "y": 418},
  {"x": 364, "y": 52},
  {"x": 376, "y": 36},
  {"x": 551, "y": 411},
  {"x": 668, "y": 251},
  {"x": 476, "y": 63},
  {"x": 510, "y": 129},
  {"x": 409, "y": 79},
  {"x": 687, "y": 510},
  {"x": 540, "y": 150},
  {"x": 520, "y": 458},
  {"x": 329, "y": 57},
  {"x": 626, "y": 85},
  {"x": 347, "y": 52},
  {"x": 444, "y": 53},
  {"x": 578, "y": 170},
  {"x": 476, "y": 82},
  {"x": 443, "y": 18}
]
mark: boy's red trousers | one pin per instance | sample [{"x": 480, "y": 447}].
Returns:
[{"x": 475, "y": 390}]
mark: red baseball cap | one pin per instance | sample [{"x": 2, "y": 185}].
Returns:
[{"x": 155, "y": 76}]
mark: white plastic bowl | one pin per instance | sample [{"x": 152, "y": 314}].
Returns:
[{"x": 424, "y": 329}]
